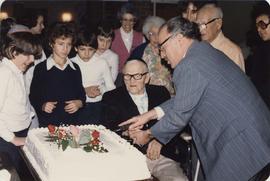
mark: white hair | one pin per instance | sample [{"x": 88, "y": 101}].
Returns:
[
  {"x": 217, "y": 11},
  {"x": 152, "y": 21}
]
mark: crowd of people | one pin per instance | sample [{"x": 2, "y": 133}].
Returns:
[{"x": 183, "y": 74}]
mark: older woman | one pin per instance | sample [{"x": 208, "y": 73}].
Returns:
[
  {"x": 126, "y": 38},
  {"x": 149, "y": 52}
]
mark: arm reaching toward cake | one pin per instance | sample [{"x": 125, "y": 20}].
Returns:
[{"x": 137, "y": 122}]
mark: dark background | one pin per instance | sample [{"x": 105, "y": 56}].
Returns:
[{"x": 237, "y": 14}]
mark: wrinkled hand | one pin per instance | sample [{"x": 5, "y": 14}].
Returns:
[
  {"x": 73, "y": 106},
  {"x": 153, "y": 150},
  {"x": 139, "y": 137},
  {"x": 18, "y": 141},
  {"x": 92, "y": 91},
  {"x": 48, "y": 107}
]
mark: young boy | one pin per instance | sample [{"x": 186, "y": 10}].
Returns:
[
  {"x": 105, "y": 35},
  {"x": 56, "y": 90},
  {"x": 96, "y": 76}
]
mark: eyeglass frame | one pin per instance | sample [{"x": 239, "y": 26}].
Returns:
[
  {"x": 133, "y": 76},
  {"x": 261, "y": 24},
  {"x": 204, "y": 25},
  {"x": 161, "y": 44}
]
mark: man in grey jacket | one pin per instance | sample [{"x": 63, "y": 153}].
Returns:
[{"x": 229, "y": 121}]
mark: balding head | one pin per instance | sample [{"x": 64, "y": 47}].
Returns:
[
  {"x": 136, "y": 75},
  {"x": 209, "y": 19}
]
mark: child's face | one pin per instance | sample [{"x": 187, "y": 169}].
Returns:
[
  {"x": 23, "y": 61},
  {"x": 85, "y": 52},
  {"x": 103, "y": 43},
  {"x": 62, "y": 47}
]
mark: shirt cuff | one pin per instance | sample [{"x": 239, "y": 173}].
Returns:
[
  {"x": 160, "y": 112},
  {"x": 7, "y": 136}
]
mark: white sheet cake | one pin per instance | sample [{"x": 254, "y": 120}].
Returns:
[{"x": 122, "y": 162}]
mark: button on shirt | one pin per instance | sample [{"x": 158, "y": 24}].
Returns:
[
  {"x": 15, "y": 112},
  {"x": 141, "y": 102}
]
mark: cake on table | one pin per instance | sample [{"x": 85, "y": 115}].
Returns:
[{"x": 83, "y": 153}]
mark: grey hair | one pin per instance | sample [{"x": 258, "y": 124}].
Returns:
[{"x": 152, "y": 21}]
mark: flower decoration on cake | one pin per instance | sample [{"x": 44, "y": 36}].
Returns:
[{"x": 72, "y": 136}]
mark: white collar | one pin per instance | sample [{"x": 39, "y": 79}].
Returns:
[
  {"x": 51, "y": 63},
  {"x": 125, "y": 33},
  {"x": 11, "y": 65},
  {"x": 139, "y": 96}
]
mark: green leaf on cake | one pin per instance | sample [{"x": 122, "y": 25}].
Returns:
[
  {"x": 64, "y": 144},
  {"x": 87, "y": 148}
]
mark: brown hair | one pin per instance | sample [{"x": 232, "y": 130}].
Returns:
[{"x": 21, "y": 43}]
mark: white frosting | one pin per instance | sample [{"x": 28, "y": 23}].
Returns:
[{"x": 122, "y": 162}]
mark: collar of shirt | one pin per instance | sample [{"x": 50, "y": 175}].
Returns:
[
  {"x": 141, "y": 101},
  {"x": 12, "y": 66},
  {"x": 126, "y": 35},
  {"x": 51, "y": 63}
]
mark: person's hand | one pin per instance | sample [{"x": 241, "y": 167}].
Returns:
[
  {"x": 92, "y": 91},
  {"x": 18, "y": 141},
  {"x": 48, "y": 107},
  {"x": 72, "y": 106},
  {"x": 140, "y": 137},
  {"x": 137, "y": 122},
  {"x": 153, "y": 150}
]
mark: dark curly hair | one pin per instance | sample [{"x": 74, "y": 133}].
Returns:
[
  {"x": 86, "y": 38},
  {"x": 62, "y": 29}
]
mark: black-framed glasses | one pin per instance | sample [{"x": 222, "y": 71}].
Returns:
[
  {"x": 137, "y": 76},
  {"x": 261, "y": 24},
  {"x": 161, "y": 44},
  {"x": 204, "y": 25}
]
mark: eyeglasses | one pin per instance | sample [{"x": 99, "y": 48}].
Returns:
[
  {"x": 137, "y": 76},
  {"x": 152, "y": 33},
  {"x": 204, "y": 25},
  {"x": 261, "y": 24},
  {"x": 161, "y": 44}
]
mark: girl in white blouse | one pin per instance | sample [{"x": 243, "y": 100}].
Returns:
[{"x": 19, "y": 51}]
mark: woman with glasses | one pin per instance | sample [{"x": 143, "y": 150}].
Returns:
[
  {"x": 126, "y": 38},
  {"x": 159, "y": 73},
  {"x": 259, "y": 62}
]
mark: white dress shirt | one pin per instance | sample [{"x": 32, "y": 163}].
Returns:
[
  {"x": 15, "y": 112},
  {"x": 127, "y": 38},
  {"x": 95, "y": 72},
  {"x": 112, "y": 60},
  {"x": 141, "y": 102}
]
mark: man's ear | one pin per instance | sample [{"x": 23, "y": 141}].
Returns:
[
  {"x": 219, "y": 23},
  {"x": 147, "y": 78}
]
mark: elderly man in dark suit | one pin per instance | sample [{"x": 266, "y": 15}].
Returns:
[
  {"x": 229, "y": 121},
  {"x": 136, "y": 97}
]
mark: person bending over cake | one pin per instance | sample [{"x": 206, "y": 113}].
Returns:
[
  {"x": 19, "y": 51},
  {"x": 56, "y": 90},
  {"x": 137, "y": 97},
  {"x": 96, "y": 76}
]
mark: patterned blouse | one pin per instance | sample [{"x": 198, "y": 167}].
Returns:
[{"x": 159, "y": 74}]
